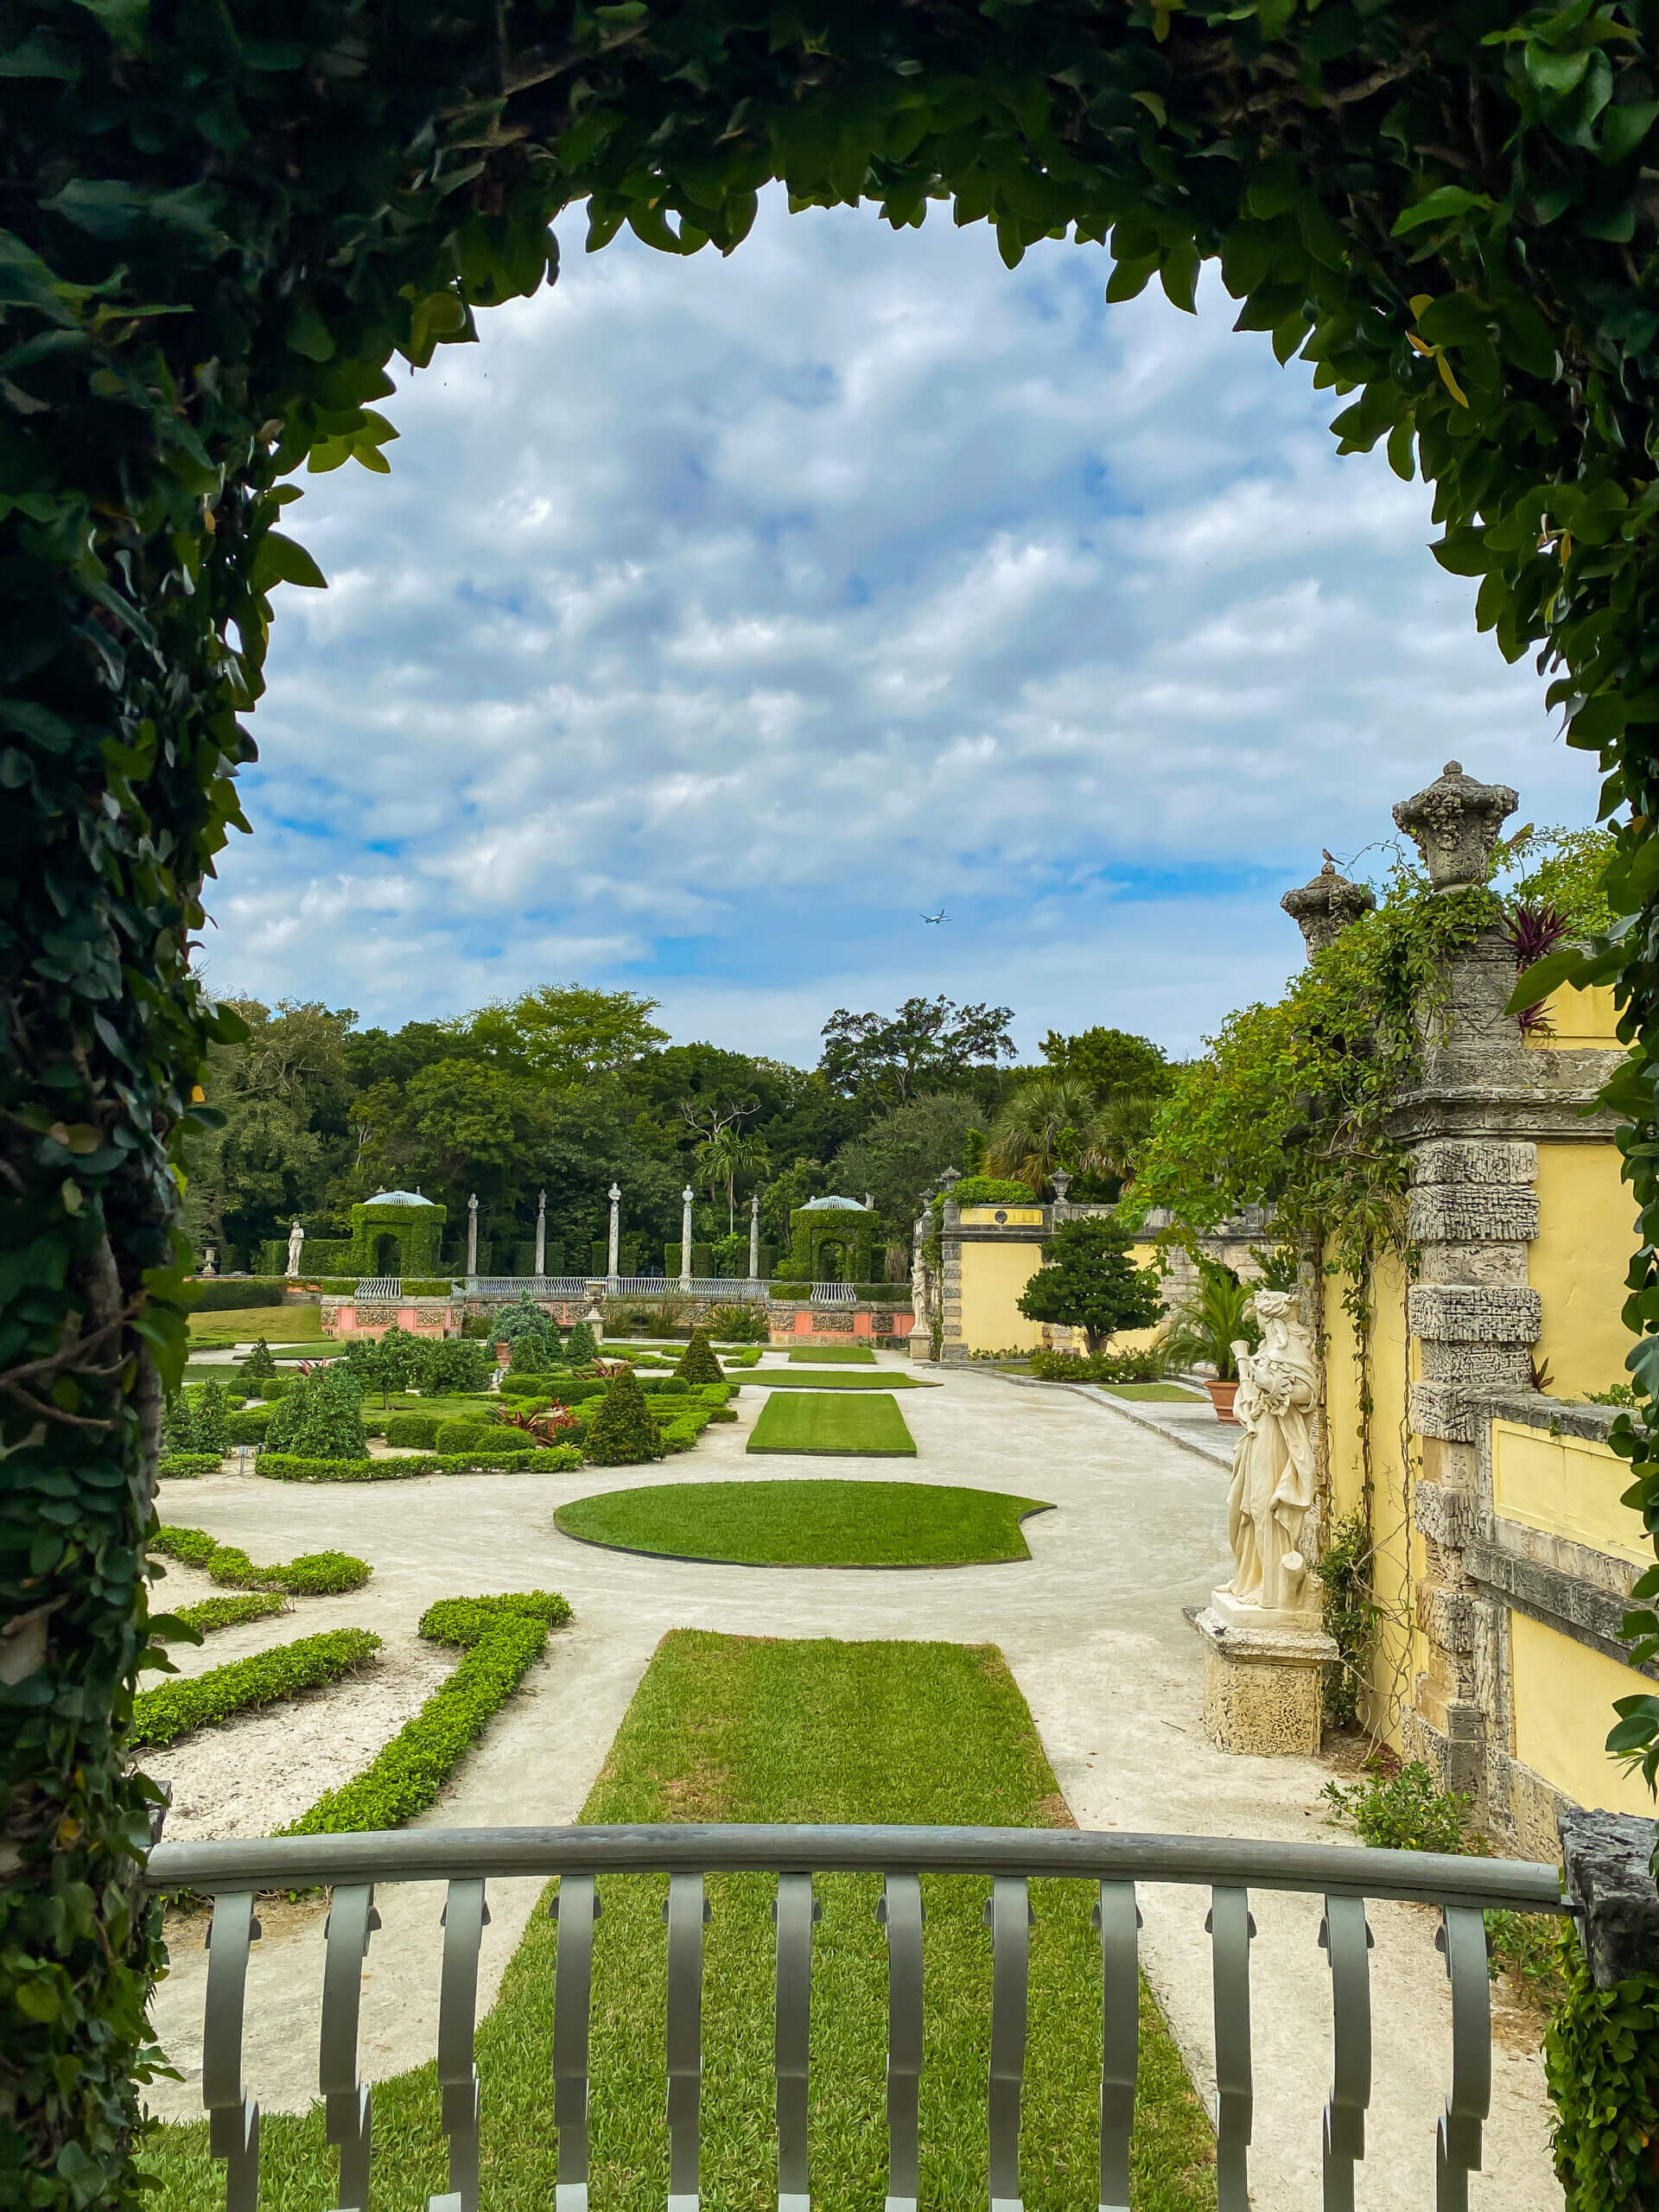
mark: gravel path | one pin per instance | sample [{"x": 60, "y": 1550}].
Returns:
[{"x": 1093, "y": 1629}]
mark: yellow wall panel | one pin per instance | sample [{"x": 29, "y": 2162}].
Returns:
[
  {"x": 993, "y": 1276},
  {"x": 1577, "y": 1020},
  {"x": 1563, "y": 1697},
  {"x": 1566, "y": 1486},
  {"x": 1577, "y": 1263}
]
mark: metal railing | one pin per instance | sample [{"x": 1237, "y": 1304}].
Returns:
[
  {"x": 379, "y": 1290},
  {"x": 233, "y": 1873},
  {"x": 835, "y": 1294},
  {"x": 510, "y": 1287}
]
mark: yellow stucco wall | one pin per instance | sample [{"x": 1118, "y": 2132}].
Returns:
[
  {"x": 1577, "y": 1019},
  {"x": 1399, "y": 1557},
  {"x": 1567, "y": 1486},
  {"x": 1562, "y": 1700},
  {"x": 993, "y": 1276},
  {"x": 1577, "y": 1263}
]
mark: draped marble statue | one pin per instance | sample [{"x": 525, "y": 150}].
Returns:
[
  {"x": 295, "y": 1239},
  {"x": 1274, "y": 1487}
]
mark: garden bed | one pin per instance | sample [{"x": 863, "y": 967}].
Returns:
[{"x": 865, "y": 1428}]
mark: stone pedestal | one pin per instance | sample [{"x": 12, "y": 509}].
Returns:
[
  {"x": 920, "y": 1341},
  {"x": 1263, "y": 1686}
]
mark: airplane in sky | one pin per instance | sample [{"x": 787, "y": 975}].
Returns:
[{"x": 940, "y": 917}]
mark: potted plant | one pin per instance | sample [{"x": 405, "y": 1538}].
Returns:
[{"x": 1214, "y": 1318}]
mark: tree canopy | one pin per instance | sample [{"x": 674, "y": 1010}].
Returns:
[{"x": 1090, "y": 1280}]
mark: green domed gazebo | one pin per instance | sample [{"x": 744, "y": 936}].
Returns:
[
  {"x": 830, "y": 1241},
  {"x": 397, "y": 1233}
]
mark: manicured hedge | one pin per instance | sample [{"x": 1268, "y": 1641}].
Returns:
[
  {"x": 179, "y": 1465},
  {"x": 501, "y": 1638},
  {"x": 226, "y": 1612},
  {"x": 249, "y": 1426},
  {"x": 220, "y": 1296},
  {"x": 314, "y": 1574},
  {"x": 285, "y": 1467},
  {"x": 465, "y": 1436},
  {"x": 413, "y": 1432},
  {"x": 162, "y": 1716},
  {"x": 272, "y": 1387}
]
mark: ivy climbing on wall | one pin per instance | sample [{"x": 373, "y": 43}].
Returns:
[{"x": 221, "y": 223}]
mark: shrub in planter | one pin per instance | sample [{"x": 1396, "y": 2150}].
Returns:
[
  {"x": 413, "y": 1432},
  {"x": 738, "y": 1325},
  {"x": 322, "y": 1419},
  {"x": 258, "y": 1363},
  {"x": 453, "y": 1366},
  {"x": 993, "y": 1191},
  {"x": 698, "y": 1362},
  {"x": 622, "y": 1432}
]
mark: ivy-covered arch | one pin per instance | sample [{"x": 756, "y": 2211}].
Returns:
[{"x": 220, "y": 220}]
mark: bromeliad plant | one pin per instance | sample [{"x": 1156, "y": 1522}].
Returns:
[{"x": 220, "y": 226}]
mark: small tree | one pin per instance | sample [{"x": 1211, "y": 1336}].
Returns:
[
  {"x": 698, "y": 1362},
  {"x": 580, "y": 1347},
  {"x": 622, "y": 1432},
  {"x": 533, "y": 1355},
  {"x": 452, "y": 1363},
  {"x": 179, "y": 1425},
  {"x": 258, "y": 1364},
  {"x": 212, "y": 1422},
  {"x": 1091, "y": 1283},
  {"x": 387, "y": 1364},
  {"x": 322, "y": 1419}
]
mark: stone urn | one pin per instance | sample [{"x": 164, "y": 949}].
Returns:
[
  {"x": 1453, "y": 822},
  {"x": 1324, "y": 907},
  {"x": 1221, "y": 1397}
]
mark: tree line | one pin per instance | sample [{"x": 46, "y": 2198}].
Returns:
[{"x": 568, "y": 1088}]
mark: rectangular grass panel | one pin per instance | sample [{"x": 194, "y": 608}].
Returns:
[
  {"x": 865, "y": 1427},
  {"x": 886, "y": 1378},
  {"x": 740, "y": 1728},
  {"x": 833, "y": 1355}
]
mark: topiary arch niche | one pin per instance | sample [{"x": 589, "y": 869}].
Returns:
[{"x": 221, "y": 221}]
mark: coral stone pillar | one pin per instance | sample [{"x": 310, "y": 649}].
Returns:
[
  {"x": 472, "y": 1234},
  {"x": 611, "y": 1270},
  {"x": 754, "y": 1237},
  {"x": 685, "y": 1238},
  {"x": 541, "y": 1233}
]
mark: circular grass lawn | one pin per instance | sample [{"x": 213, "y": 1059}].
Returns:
[{"x": 806, "y": 1524}]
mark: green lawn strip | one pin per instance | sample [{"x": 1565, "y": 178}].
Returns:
[
  {"x": 162, "y": 1716},
  {"x": 732, "y": 1728},
  {"x": 886, "y": 1378},
  {"x": 1160, "y": 1393},
  {"x": 865, "y": 1427},
  {"x": 315, "y": 1575},
  {"x": 224, "y": 1612},
  {"x": 842, "y": 1355},
  {"x": 240, "y": 1325},
  {"x": 500, "y": 1637},
  {"x": 806, "y": 1524}
]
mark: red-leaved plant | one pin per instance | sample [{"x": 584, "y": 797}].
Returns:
[
  {"x": 546, "y": 1427},
  {"x": 1532, "y": 932}
]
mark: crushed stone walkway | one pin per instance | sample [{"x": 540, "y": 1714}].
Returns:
[{"x": 1092, "y": 1628}]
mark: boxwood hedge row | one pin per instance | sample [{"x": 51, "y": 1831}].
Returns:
[{"x": 162, "y": 1716}]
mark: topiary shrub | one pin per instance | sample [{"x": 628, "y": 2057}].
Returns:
[
  {"x": 181, "y": 1466},
  {"x": 249, "y": 1426},
  {"x": 580, "y": 1346},
  {"x": 622, "y": 1432},
  {"x": 322, "y": 1419},
  {"x": 259, "y": 1363},
  {"x": 212, "y": 1422},
  {"x": 698, "y": 1362},
  {"x": 179, "y": 1424},
  {"x": 413, "y": 1432},
  {"x": 455, "y": 1436},
  {"x": 992, "y": 1190},
  {"x": 452, "y": 1366}
]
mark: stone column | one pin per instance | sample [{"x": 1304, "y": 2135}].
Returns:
[
  {"x": 952, "y": 1348},
  {"x": 615, "y": 1196},
  {"x": 754, "y": 1237},
  {"x": 472, "y": 1234},
  {"x": 685, "y": 1239},
  {"x": 541, "y": 1232}
]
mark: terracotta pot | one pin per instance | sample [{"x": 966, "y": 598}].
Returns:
[
  {"x": 1221, "y": 1397},
  {"x": 504, "y": 1354}
]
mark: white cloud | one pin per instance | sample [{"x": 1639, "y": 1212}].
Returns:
[{"x": 718, "y": 616}]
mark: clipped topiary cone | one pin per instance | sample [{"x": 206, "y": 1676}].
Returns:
[
  {"x": 698, "y": 1362},
  {"x": 622, "y": 1432}
]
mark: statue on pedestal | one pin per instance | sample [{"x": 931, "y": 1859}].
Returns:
[
  {"x": 295, "y": 1238},
  {"x": 1273, "y": 1488}
]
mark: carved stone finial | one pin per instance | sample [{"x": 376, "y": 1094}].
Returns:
[
  {"x": 1454, "y": 823},
  {"x": 1324, "y": 907}
]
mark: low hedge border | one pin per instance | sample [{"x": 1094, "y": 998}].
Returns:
[
  {"x": 314, "y": 1574},
  {"x": 162, "y": 1716},
  {"x": 182, "y": 1466},
  {"x": 501, "y": 1638},
  {"x": 286, "y": 1467},
  {"x": 224, "y": 1612}
]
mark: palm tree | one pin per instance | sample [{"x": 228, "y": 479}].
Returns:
[
  {"x": 1214, "y": 1317},
  {"x": 723, "y": 1158},
  {"x": 1044, "y": 1125}
]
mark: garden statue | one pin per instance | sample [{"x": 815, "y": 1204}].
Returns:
[
  {"x": 1273, "y": 1488},
  {"x": 295, "y": 1238}
]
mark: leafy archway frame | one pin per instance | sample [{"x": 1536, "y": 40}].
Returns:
[{"x": 220, "y": 221}]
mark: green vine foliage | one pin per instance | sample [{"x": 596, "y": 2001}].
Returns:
[
  {"x": 221, "y": 221},
  {"x": 1601, "y": 2060}
]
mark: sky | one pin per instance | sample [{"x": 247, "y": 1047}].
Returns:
[{"x": 719, "y": 618}]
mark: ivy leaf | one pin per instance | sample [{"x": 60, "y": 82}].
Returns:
[
  {"x": 1440, "y": 206},
  {"x": 284, "y": 561}
]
